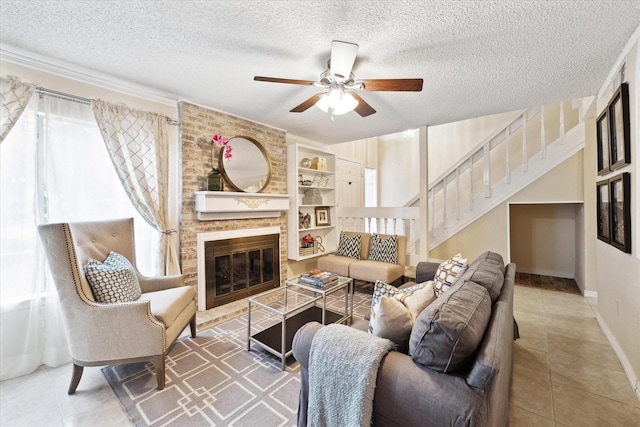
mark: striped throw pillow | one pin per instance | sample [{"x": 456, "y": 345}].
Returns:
[
  {"x": 349, "y": 246},
  {"x": 384, "y": 249}
]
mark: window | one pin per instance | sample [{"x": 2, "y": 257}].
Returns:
[
  {"x": 371, "y": 194},
  {"x": 54, "y": 167},
  {"x": 370, "y": 187}
]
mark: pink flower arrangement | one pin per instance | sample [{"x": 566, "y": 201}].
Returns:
[{"x": 223, "y": 142}]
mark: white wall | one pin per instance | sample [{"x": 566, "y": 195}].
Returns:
[
  {"x": 617, "y": 273},
  {"x": 399, "y": 168},
  {"x": 449, "y": 142}
]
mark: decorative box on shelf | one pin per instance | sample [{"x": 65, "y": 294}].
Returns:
[
  {"x": 306, "y": 251},
  {"x": 319, "y": 163}
]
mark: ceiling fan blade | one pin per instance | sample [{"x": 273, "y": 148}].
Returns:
[
  {"x": 288, "y": 81},
  {"x": 393, "y": 85},
  {"x": 307, "y": 104},
  {"x": 362, "y": 108},
  {"x": 343, "y": 55}
]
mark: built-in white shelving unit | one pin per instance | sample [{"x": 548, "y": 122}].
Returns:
[{"x": 302, "y": 180}]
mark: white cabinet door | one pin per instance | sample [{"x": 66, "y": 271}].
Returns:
[{"x": 349, "y": 183}]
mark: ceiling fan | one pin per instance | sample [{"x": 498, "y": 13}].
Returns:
[{"x": 340, "y": 95}]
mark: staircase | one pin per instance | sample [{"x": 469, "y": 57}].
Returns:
[{"x": 530, "y": 145}]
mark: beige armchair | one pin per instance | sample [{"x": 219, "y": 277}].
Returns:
[{"x": 108, "y": 334}]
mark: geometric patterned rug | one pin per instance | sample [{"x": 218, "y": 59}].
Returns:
[{"x": 212, "y": 380}]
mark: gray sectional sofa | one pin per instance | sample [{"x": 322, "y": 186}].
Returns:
[{"x": 476, "y": 392}]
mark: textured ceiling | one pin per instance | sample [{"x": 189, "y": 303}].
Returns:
[{"x": 476, "y": 57}]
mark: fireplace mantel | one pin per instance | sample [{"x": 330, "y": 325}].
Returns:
[{"x": 216, "y": 205}]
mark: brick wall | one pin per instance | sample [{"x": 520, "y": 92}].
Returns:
[{"x": 197, "y": 125}]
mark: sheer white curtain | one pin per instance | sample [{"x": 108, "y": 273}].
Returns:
[
  {"x": 14, "y": 98},
  {"x": 138, "y": 144},
  {"x": 54, "y": 167}
]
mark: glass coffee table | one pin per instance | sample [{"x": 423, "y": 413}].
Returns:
[{"x": 293, "y": 305}]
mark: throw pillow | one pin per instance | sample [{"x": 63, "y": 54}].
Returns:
[
  {"x": 384, "y": 249},
  {"x": 448, "y": 272},
  {"x": 113, "y": 280},
  {"x": 487, "y": 270},
  {"x": 447, "y": 333},
  {"x": 349, "y": 246},
  {"x": 393, "y": 311}
]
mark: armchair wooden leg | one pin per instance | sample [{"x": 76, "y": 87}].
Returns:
[
  {"x": 193, "y": 326},
  {"x": 75, "y": 378},
  {"x": 158, "y": 363}
]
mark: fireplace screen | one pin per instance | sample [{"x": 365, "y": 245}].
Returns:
[{"x": 238, "y": 268}]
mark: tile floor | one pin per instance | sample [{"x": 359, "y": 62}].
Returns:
[{"x": 565, "y": 373}]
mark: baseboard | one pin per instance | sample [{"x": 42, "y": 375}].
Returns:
[
  {"x": 562, "y": 274},
  {"x": 590, "y": 294},
  {"x": 628, "y": 369}
]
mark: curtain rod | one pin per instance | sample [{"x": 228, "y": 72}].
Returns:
[{"x": 82, "y": 100}]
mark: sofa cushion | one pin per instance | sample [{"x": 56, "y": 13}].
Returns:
[
  {"x": 113, "y": 280},
  {"x": 167, "y": 304},
  {"x": 384, "y": 249},
  {"x": 371, "y": 271},
  {"x": 393, "y": 311},
  {"x": 487, "y": 270},
  {"x": 349, "y": 246},
  {"x": 335, "y": 264},
  {"x": 447, "y": 333},
  {"x": 448, "y": 273}
]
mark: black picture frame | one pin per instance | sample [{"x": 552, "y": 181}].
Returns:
[
  {"x": 620, "y": 194},
  {"x": 619, "y": 128},
  {"x": 603, "y": 212},
  {"x": 602, "y": 136}
]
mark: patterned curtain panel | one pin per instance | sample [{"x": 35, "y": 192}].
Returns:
[
  {"x": 15, "y": 95},
  {"x": 138, "y": 144}
]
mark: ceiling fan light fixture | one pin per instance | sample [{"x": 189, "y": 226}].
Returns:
[{"x": 337, "y": 101}]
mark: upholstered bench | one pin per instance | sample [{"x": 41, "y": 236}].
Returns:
[{"x": 358, "y": 259}]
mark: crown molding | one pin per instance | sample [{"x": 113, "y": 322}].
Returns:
[
  {"x": 80, "y": 74},
  {"x": 617, "y": 66}
]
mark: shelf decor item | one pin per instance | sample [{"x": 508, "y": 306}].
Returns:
[
  {"x": 305, "y": 163},
  {"x": 304, "y": 220},
  {"x": 319, "y": 163},
  {"x": 322, "y": 216},
  {"x": 214, "y": 180}
]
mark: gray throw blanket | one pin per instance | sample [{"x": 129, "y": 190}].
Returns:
[{"x": 343, "y": 366}]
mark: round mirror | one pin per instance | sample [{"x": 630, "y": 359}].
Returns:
[{"x": 249, "y": 168}]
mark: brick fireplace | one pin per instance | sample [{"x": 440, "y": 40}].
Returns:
[{"x": 197, "y": 125}]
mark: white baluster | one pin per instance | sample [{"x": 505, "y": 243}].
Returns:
[
  {"x": 507, "y": 157},
  {"x": 471, "y": 185},
  {"x": 395, "y": 225},
  {"x": 412, "y": 233},
  {"x": 432, "y": 212},
  {"x": 543, "y": 138},
  {"x": 457, "y": 193},
  {"x": 486, "y": 172},
  {"x": 444, "y": 204},
  {"x": 562, "y": 136},
  {"x": 525, "y": 157}
]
